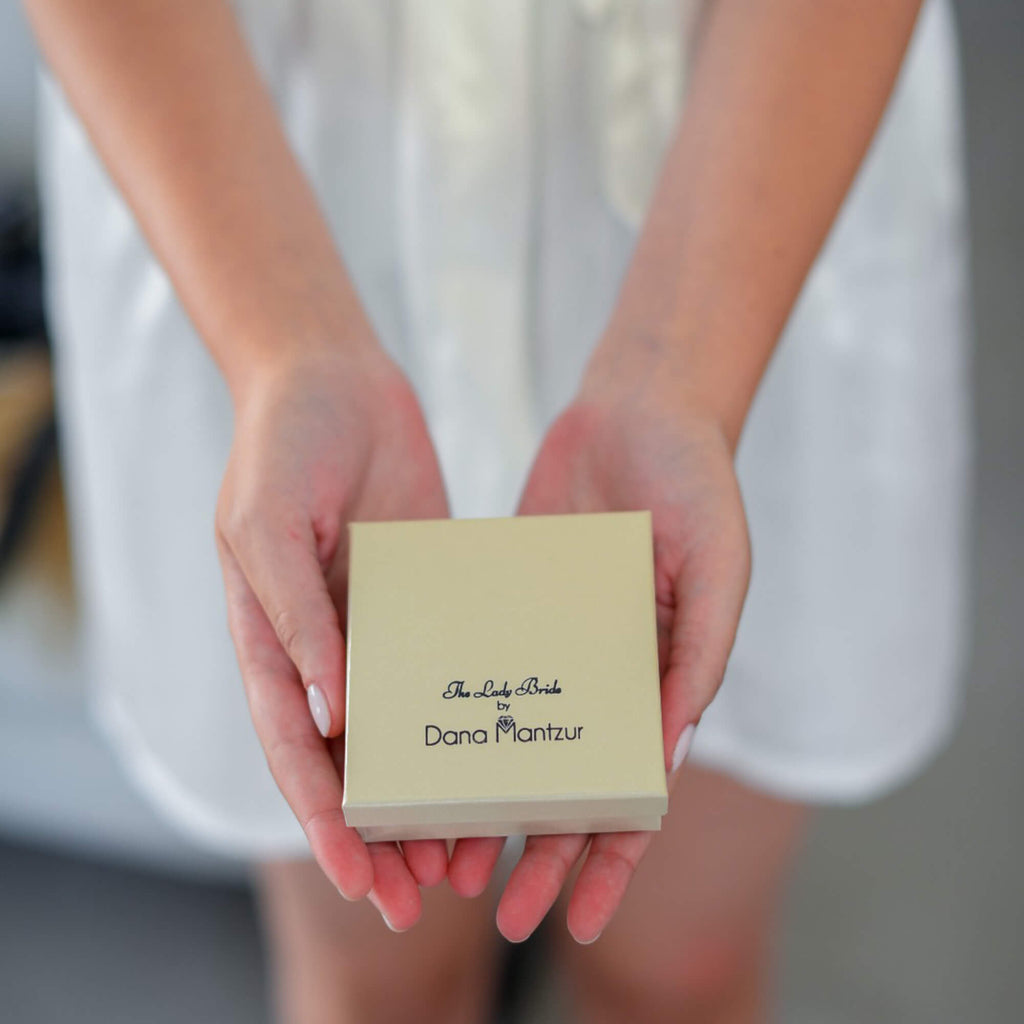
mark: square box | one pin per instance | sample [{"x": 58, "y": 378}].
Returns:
[{"x": 503, "y": 677}]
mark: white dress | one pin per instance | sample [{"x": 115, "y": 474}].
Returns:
[{"x": 485, "y": 169}]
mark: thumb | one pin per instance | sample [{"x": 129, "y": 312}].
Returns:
[
  {"x": 709, "y": 590},
  {"x": 281, "y": 566}
]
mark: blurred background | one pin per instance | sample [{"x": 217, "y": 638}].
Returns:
[{"x": 910, "y": 910}]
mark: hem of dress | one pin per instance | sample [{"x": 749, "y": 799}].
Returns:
[
  {"x": 199, "y": 822},
  {"x": 802, "y": 779},
  {"x": 826, "y": 782}
]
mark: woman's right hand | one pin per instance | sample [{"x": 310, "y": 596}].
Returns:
[{"x": 320, "y": 440}]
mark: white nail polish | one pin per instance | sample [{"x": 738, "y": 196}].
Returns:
[
  {"x": 319, "y": 709},
  {"x": 372, "y": 898},
  {"x": 682, "y": 746}
]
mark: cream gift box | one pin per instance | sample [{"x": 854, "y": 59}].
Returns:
[{"x": 503, "y": 677}]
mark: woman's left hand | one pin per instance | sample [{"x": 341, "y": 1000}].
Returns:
[{"x": 628, "y": 442}]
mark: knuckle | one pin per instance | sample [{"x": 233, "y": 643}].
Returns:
[
  {"x": 235, "y": 523},
  {"x": 625, "y": 860},
  {"x": 323, "y": 818},
  {"x": 288, "y": 631},
  {"x": 557, "y": 858}
]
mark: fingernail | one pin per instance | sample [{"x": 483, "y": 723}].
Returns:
[
  {"x": 682, "y": 746},
  {"x": 319, "y": 709},
  {"x": 373, "y": 899},
  {"x": 589, "y": 942}
]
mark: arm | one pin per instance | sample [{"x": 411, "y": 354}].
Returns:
[
  {"x": 784, "y": 100},
  {"x": 172, "y": 102},
  {"x": 326, "y": 428}
]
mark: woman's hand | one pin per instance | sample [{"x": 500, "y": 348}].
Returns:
[
  {"x": 629, "y": 441},
  {"x": 320, "y": 440}
]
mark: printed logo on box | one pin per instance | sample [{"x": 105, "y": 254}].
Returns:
[{"x": 505, "y": 728}]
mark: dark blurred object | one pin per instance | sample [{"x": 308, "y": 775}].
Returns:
[
  {"x": 21, "y": 279},
  {"x": 27, "y": 428}
]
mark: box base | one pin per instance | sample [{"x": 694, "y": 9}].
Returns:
[
  {"x": 456, "y": 820},
  {"x": 391, "y": 833}
]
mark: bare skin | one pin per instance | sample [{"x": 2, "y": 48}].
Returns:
[
  {"x": 783, "y": 102},
  {"x": 320, "y": 451},
  {"x": 337, "y": 963},
  {"x": 692, "y": 941},
  {"x": 594, "y": 461}
]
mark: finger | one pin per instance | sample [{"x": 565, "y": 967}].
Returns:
[
  {"x": 709, "y": 589},
  {"x": 300, "y": 760},
  {"x": 602, "y": 882},
  {"x": 282, "y": 567},
  {"x": 535, "y": 883},
  {"x": 472, "y": 864},
  {"x": 395, "y": 892},
  {"x": 427, "y": 860}
]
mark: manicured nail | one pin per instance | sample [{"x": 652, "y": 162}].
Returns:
[
  {"x": 319, "y": 709},
  {"x": 373, "y": 899},
  {"x": 682, "y": 746}
]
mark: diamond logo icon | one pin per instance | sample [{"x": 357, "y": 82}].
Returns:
[{"x": 506, "y": 723}]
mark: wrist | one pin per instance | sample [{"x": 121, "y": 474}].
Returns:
[
  {"x": 351, "y": 363},
  {"x": 665, "y": 374},
  {"x": 309, "y": 345}
]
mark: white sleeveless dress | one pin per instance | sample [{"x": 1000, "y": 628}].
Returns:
[{"x": 485, "y": 169}]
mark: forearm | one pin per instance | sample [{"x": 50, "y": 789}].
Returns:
[
  {"x": 171, "y": 99},
  {"x": 783, "y": 102}
]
